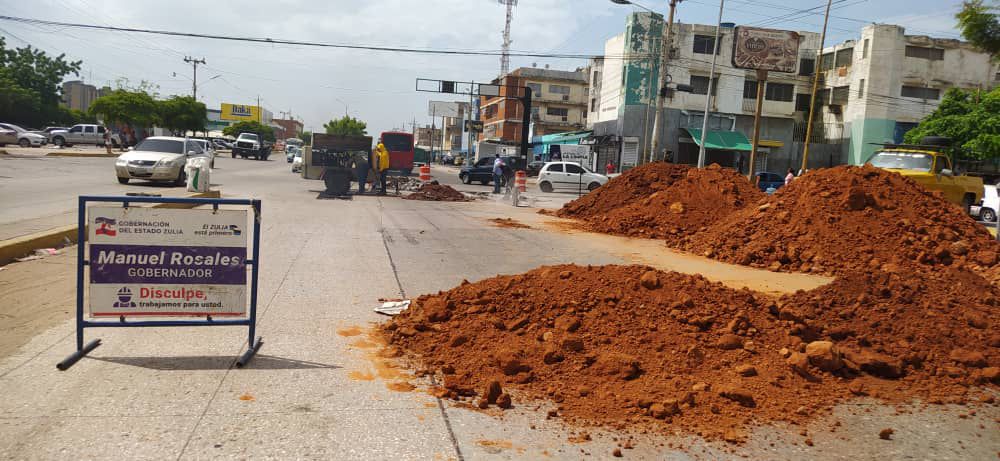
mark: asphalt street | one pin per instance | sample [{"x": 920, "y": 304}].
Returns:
[{"x": 316, "y": 389}]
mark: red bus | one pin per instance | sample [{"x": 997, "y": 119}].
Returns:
[{"x": 400, "y": 147}]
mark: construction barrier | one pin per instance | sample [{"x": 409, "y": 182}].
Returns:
[
  {"x": 425, "y": 173},
  {"x": 521, "y": 181}
]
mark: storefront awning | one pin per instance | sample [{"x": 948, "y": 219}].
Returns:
[{"x": 722, "y": 140}]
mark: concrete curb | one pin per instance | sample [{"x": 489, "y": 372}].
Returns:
[
  {"x": 80, "y": 154},
  {"x": 19, "y": 247}
]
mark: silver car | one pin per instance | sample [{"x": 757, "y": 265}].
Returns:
[
  {"x": 24, "y": 138},
  {"x": 158, "y": 158}
]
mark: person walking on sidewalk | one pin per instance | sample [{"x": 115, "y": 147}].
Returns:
[
  {"x": 382, "y": 163},
  {"x": 497, "y": 174},
  {"x": 610, "y": 167},
  {"x": 107, "y": 140}
]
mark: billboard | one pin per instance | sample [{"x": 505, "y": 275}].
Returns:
[
  {"x": 445, "y": 109},
  {"x": 765, "y": 49},
  {"x": 167, "y": 262},
  {"x": 240, "y": 112}
]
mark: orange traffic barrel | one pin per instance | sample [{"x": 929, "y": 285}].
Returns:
[
  {"x": 521, "y": 181},
  {"x": 425, "y": 173}
]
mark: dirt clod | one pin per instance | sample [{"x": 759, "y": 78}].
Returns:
[
  {"x": 885, "y": 434},
  {"x": 437, "y": 193}
]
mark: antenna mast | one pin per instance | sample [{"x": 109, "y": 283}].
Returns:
[{"x": 505, "y": 57}]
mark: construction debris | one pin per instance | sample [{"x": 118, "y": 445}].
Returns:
[{"x": 437, "y": 193}]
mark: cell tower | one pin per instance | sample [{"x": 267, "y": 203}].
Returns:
[{"x": 505, "y": 57}]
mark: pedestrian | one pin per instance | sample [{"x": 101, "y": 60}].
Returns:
[
  {"x": 789, "y": 177},
  {"x": 508, "y": 177},
  {"x": 610, "y": 167},
  {"x": 383, "y": 166},
  {"x": 361, "y": 167},
  {"x": 497, "y": 174},
  {"x": 107, "y": 140}
]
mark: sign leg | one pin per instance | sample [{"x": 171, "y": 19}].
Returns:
[{"x": 76, "y": 356}]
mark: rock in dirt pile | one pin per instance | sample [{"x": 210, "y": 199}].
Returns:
[
  {"x": 437, "y": 193},
  {"x": 630, "y": 347},
  {"x": 663, "y": 200},
  {"x": 847, "y": 220}
]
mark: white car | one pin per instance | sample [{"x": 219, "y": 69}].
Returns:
[
  {"x": 297, "y": 161},
  {"x": 568, "y": 176},
  {"x": 158, "y": 158},
  {"x": 987, "y": 210},
  {"x": 25, "y": 138},
  {"x": 209, "y": 149}
]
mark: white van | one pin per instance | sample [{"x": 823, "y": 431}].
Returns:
[{"x": 987, "y": 209}]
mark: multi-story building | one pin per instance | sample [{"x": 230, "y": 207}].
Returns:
[
  {"x": 427, "y": 137},
  {"x": 880, "y": 86},
  {"x": 78, "y": 95},
  {"x": 622, "y": 110},
  {"x": 559, "y": 103},
  {"x": 289, "y": 128}
]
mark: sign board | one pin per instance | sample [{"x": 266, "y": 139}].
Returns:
[
  {"x": 445, "y": 109},
  {"x": 474, "y": 125},
  {"x": 489, "y": 90},
  {"x": 570, "y": 153},
  {"x": 167, "y": 262},
  {"x": 765, "y": 49},
  {"x": 240, "y": 112}
]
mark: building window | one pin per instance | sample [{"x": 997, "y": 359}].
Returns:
[
  {"x": 861, "y": 89},
  {"x": 920, "y": 92},
  {"x": 864, "y": 50},
  {"x": 558, "y": 89},
  {"x": 749, "y": 89},
  {"x": 536, "y": 89},
  {"x": 826, "y": 62},
  {"x": 933, "y": 54},
  {"x": 557, "y": 111},
  {"x": 844, "y": 57},
  {"x": 802, "y": 102},
  {"x": 703, "y": 44},
  {"x": 823, "y": 97},
  {"x": 807, "y": 66},
  {"x": 700, "y": 85},
  {"x": 593, "y": 104},
  {"x": 840, "y": 95},
  {"x": 597, "y": 77},
  {"x": 784, "y": 92}
]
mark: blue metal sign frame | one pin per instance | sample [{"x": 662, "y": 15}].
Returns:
[{"x": 251, "y": 321}]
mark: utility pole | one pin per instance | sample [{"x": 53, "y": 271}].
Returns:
[
  {"x": 761, "y": 81},
  {"x": 708, "y": 96},
  {"x": 664, "y": 59},
  {"x": 194, "y": 82},
  {"x": 260, "y": 112},
  {"x": 812, "y": 99}
]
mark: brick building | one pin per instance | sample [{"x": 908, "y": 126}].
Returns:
[{"x": 559, "y": 103}]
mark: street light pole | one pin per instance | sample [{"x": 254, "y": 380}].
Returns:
[
  {"x": 664, "y": 59},
  {"x": 812, "y": 99},
  {"x": 708, "y": 96}
]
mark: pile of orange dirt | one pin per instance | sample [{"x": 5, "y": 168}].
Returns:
[
  {"x": 847, "y": 220},
  {"x": 509, "y": 223},
  {"x": 437, "y": 193},
  {"x": 663, "y": 200},
  {"x": 633, "y": 348}
]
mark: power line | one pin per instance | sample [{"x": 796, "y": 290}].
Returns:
[{"x": 272, "y": 41}]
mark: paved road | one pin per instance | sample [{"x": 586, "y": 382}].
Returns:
[{"x": 173, "y": 393}]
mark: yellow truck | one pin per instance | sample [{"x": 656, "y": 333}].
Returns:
[{"x": 931, "y": 169}]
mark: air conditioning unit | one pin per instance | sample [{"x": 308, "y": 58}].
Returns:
[
  {"x": 565, "y": 119},
  {"x": 835, "y": 109},
  {"x": 565, "y": 97}
]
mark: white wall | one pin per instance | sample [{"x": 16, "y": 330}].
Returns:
[{"x": 611, "y": 79}]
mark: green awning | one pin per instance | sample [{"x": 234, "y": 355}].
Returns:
[{"x": 722, "y": 140}]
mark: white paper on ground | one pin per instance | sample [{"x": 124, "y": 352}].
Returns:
[{"x": 393, "y": 307}]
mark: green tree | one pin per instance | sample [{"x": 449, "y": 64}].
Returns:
[
  {"x": 30, "y": 84},
  {"x": 979, "y": 25},
  {"x": 306, "y": 136},
  {"x": 971, "y": 118},
  {"x": 136, "y": 108},
  {"x": 181, "y": 114},
  {"x": 263, "y": 131},
  {"x": 346, "y": 126}
]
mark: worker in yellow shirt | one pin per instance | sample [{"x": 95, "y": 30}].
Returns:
[{"x": 381, "y": 165}]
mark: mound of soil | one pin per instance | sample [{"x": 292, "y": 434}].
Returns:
[
  {"x": 847, "y": 220},
  {"x": 663, "y": 200},
  {"x": 437, "y": 193},
  {"x": 629, "y": 347}
]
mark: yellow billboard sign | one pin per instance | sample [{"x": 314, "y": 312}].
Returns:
[{"x": 240, "y": 112}]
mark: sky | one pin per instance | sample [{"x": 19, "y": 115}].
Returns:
[{"x": 318, "y": 84}]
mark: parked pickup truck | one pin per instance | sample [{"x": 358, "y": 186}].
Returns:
[
  {"x": 932, "y": 169},
  {"x": 83, "y": 133},
  {"x": 251, "y": 145}
]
